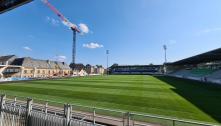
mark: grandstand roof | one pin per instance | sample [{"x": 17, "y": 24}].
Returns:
[
  {"x": 7, "y": 5},
  {"x": 214, "y": 55},
  {"x": 123, "y": 66}
]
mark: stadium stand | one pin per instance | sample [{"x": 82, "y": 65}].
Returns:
[
  {"x": 215, "y": 75},
  {"x": 202, "y": 71},
  {"x": 135, "y": 69},
  {"x": 203, "y": 67}
]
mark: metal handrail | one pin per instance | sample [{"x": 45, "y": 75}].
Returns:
[
  {"x": 174, "y": 119},
  {"x": 131, "y": 114}
]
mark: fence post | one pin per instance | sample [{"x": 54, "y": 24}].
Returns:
[
  {"x": 94, "y": 114},
  {"x": 127, "y": 119},
  {"x": 46, "y": 113},
  {"x": 13, "y": 117},
  {"x": 67, "y": 114},
  {"x": 173, "y": 122},
  {"x": 28, "y": 111},
  {"x": 3, "y": 97}
]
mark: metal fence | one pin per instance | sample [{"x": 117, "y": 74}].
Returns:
[{"x": 25, "y": 112}]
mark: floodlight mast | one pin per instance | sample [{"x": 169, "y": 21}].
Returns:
[
  {"x": 72, "y": 26},
  {"x": 165, "y": 52},
  {"x": 165, "y": 56},
  {"x": 107, "y": 53}
]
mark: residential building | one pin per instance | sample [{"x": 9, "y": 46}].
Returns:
[
  {"x": 99, "y": 70},
  {"x": 89, "y": 69},
  {"x": 27, "y": 67}
]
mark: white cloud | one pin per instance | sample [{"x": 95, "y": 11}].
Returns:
[
  {"x": 84, "y": 28},
  {"x": 60, "y": 58},
  {"x": 92, "y": 45},
  {"x": 209, "y": 30},
  {"x": 52, "y": 21},
  {"x": 27, "y": 48}
]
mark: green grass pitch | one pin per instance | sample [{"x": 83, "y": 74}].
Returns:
[{"x": 157, "y": 95}]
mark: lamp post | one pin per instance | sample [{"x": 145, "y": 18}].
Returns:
[
  {"x": 107, "y": 53},
  {"x": 165, "y": 52},
  {"x": 165, "y": 56}
]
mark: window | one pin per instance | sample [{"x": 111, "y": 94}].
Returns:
[
  {"x": 25, "y": 71},
  {"x": 39, "y": 71}
]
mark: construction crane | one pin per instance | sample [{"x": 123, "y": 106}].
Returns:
[{"x": 65, "y": 21}]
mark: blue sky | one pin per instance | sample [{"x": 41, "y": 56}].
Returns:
[{"x": 133, "y": 30}]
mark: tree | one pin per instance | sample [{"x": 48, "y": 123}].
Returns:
[
  {"x": 114, "y": 65},
  {"x": 77, "y": 66},
  {"x": 72, "y": 66},
  {"x": 99, "y": 66},
  {"x": 151, "y": 64},
  {"x": 88, "y": 65}
]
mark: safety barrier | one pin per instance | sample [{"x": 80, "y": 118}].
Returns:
[{"x": 25, "y": 112}]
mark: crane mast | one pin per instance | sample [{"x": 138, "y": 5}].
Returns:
[{"x": 72, "y": 26}]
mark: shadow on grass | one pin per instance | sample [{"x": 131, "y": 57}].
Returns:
[{"x": 205, "y": 96}]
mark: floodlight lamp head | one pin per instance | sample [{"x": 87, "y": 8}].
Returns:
[
  {"x": 107, "y": 52},
  {"x": 164, "y": 47}
]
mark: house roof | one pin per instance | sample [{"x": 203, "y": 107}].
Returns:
[
  {"x": 6, "y": 58},
  {"x": 63, "y": 65},
  {"x": 42, "y": 64}
]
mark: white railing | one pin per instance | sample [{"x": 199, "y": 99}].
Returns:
[{"x": 25, "y": 112}]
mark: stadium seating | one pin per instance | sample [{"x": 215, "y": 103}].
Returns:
[
  {"x": 209, "y": 75},
  {"x": 215, "y": 75},
  {"x": 202, "y": 72},
  {"x": 181, "y": 73},
  {"x": 199, "y": 74}
]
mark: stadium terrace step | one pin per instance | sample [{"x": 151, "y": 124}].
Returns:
[{"x": 202, "y": 72}]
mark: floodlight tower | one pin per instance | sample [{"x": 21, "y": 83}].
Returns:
[
  {"x": 107, "y": 53},
  {"x": 165, "y": 56},
  {"x": 165, "y": 52},
  {"x": 72, "y": 26}
]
